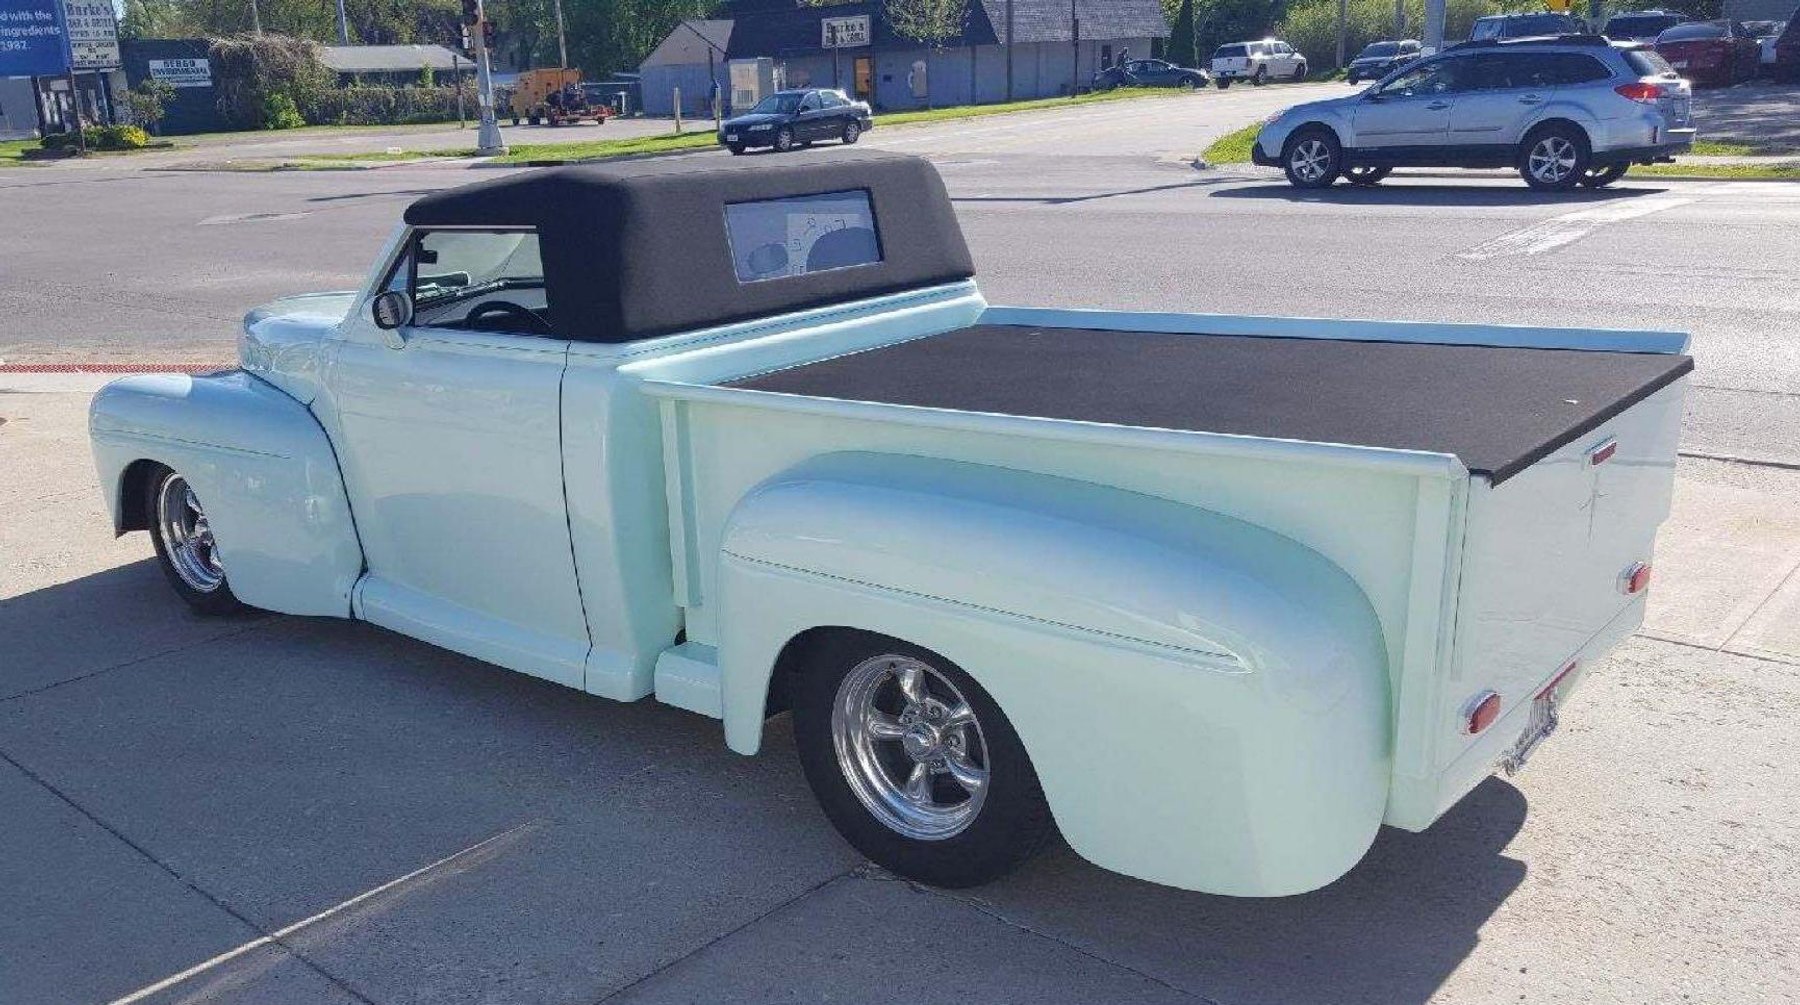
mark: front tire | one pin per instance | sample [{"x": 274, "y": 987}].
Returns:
[
  {"x": 1312, "y": 159},
  {"x": 913, "y": 762},
  {"x": 737, "y": 149},
  {"x": 185, "y": 547},
  {"x": 1553, "y": 158},
  {"x": 851, "y": 132},
  {"x": 1223, "y": 82},
  {"x": 1299, "y": 73},
  {"x": 1260, "y": 77},
  {"x": 1350, "y": 78},
  {"x": 784, "y": 139},
  {"x": 1602, "y": 175}
]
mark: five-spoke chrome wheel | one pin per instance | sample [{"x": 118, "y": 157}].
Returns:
[
  {"x": 186, "y": 535},
  {"x": 910, "y": 747}
]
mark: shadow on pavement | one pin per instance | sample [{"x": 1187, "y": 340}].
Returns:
[
  {"x": 1440, "y": 194},
  {"x": 307, "y": 762}
]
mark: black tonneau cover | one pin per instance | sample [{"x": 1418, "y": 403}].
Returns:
[{"x": 1498, "y": 409}]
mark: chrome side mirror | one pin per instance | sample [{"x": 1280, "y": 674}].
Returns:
[{"x": 392, "y": 309}]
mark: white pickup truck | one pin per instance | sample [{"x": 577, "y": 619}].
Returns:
[{"x": 1216, "y": 597}]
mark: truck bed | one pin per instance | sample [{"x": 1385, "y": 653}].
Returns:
[{"x": 1498, "y": 409}]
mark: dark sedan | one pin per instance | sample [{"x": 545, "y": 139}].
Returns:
[
  {"x": 1149, "y": 73},
  {"x": 1376, "y": 59},
  {"x": 788, "y": 119}
]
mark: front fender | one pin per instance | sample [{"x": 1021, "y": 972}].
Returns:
[
  {"x": 262, "y": 467},
  {"x": 1206, "y": 702}
]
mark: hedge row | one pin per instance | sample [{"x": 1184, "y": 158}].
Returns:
[{"x": 372, "y": 106}]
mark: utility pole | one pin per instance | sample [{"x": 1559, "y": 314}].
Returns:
[
  {"x": 1009, "y": 50},
  {"x": 487, "y": 140},
  {"x": 456, "y": 81},
  {"x": 343, "y": 25},
  {"x": 255, "y": 19},
  {"x": 1074, "y": 50},
  {"x": 1434, "y": 25},
  {"x": 1343, "y": 30},
  {"x": 1399, "y": 18},
  {"x": 562, "y": 39}
]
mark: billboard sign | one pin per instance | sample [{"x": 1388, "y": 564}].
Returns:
[
  {"x": 31, "y": 38},
  {"x": 93, "y": 34},
  {"x": 844, "y": 32},
  {"x": 182, "y": 72}
]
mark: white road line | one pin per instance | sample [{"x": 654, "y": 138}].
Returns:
[
  {"x": 232, "y": 954},
  {"x": 1567, "y": 229}
]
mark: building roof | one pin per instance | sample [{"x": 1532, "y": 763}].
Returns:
[
  {"x": 690, "y": 42},
  {"x": 387, "y": 58},
  {"x": 785, "y": 28}
]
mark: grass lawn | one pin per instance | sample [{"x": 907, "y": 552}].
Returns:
[
  {"x": 12, "y": 152},
  {"x": 1233, "y": 147}
]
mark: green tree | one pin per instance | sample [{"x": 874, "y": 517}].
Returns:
[
  {"x": 148, "y": 101},
  {"x": 1181, "y": 37}
]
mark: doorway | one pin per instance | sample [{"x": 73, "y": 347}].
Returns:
[{"x": 864, "y": 78}]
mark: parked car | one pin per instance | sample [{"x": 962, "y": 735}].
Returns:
[
  {"x": 1787, "y": 52},
  {"x": 1542, "y": 25},
  {"x": 1564, "y": 111},
  {"x": 1641, "y": 25},
  {"x": 1258, "y": 62},
  {"x": 1149, "y": 73},
  {"x": 1720, "y": 53},
  {"x": 1378, "y": 59},
  {"x": 1213, "y": 597},
  {"x": 788, "y": 119}
]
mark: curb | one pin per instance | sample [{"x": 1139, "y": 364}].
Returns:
[{"x": 189, "y": 368}]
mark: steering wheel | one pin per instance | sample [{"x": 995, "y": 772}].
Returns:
[{"x": 507, "y": 307}]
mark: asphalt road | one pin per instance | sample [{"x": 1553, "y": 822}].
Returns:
[{"x": 274, "y": 809}]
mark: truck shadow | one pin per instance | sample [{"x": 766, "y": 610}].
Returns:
[
  {"x": 1440, "y": 194},
  {"x": 350, "y": 756},
  {"x": 1390, "y": 932}
]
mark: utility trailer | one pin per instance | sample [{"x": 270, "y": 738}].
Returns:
[{"x": 1214, "y": 596}]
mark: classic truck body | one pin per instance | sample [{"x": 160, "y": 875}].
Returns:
[{"x": 1239, "y": 585}]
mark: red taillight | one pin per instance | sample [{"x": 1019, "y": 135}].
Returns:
[
  {"x": 1603, "y": 453},
  {"x": 1481, "y": 712},
  {"x": 1635, "y": 579},
  {"x": 1641, "y": 91}
]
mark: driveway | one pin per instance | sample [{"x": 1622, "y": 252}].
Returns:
[{"x": 1761, "y": 113}]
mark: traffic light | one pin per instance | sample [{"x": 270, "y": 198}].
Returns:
[{"x": 471, "y": 11}]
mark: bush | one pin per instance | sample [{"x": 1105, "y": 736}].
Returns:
[
  {"x": 100, "y": 138},
  {"x": 265, "y": 81},
  {"x": 1311, "y": 25},
  {"x": 368, "y": 106}
]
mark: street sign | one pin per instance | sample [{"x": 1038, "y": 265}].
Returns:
[
  {"x": 31, "y": 39},
  {"x": 93, "y": 34},
  {"x": 844, "y": 32},
  {"x": 182, "y": 72}
]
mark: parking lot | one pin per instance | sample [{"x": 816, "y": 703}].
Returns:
[{"x": 274, "y": 809}]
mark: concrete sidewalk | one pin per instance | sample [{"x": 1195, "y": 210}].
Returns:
[{"x": 273, "y": 809}]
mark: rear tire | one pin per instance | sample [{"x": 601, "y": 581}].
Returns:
[
  {"x": 1299, "y": 73},
  {"x": 1602, "y": 175},
  {"x": 1260, "y": 77},
  {"x": 185, "y": 547},
  {"x": 1367, "y": 176},
  {"x": 1312, "y": 158},
  {"x": 913, "y": 762},
  {"x": 1553, "y": 157},
  {"x": 1222, "y": 82}
]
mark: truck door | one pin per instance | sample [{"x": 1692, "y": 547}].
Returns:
[{"x": 448, "y": 432}]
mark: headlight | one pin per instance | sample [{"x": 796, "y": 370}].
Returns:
[{"x": 762, "y": 127}]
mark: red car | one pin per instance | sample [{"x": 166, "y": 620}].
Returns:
[{"x": 1711, "y": 52}]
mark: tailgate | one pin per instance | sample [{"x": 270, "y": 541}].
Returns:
[{"x": 1545, "y": 579}]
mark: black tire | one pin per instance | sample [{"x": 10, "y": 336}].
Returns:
[
  {"x": 852, "y": 130},
  {"x": 737, "y": 149},
  {"x": 1602, "y": 175},
  {"x": 1222, "y": 82},
  {"x": 533, "y": 120},
  {"x": 1553, "y": 157},
  {"x": 215, "y": 600},
  {"x": 1309, "y": 166},
  {"x": 1299, "y": 73},
  {"x": 784, "y": 139},
  {"x": 1260, "y": 77},
  {"x": 1012, "y": 821},
  {"x": 1350, "y": 78},
  {"x": 1367, "y": 177},
  {"x": 1187, "y": 83},
  {"x": 515, "y": 120}
]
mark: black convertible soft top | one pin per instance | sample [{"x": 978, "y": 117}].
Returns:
[{"x": 637, "y": 249}]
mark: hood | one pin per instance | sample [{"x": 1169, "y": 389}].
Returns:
[
  {"x": 281, "y": 339},
  {"x": 755, "y": 118}
]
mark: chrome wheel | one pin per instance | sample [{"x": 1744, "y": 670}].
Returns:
[
  {"x": 1552, "y": 159},
  {"x": 910, "y": 747},
  {"x": 1310, "y": 159},
  {"x": 187, "y": 537}
]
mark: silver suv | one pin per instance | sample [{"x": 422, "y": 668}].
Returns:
[{"x": 1575, "y": 109}]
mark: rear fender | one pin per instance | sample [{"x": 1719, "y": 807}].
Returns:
[
  {"x": 262, "y": 467},
  {"x": 1205, "y": 702}
]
